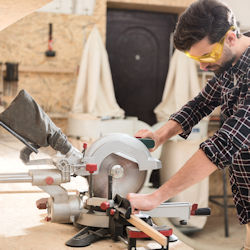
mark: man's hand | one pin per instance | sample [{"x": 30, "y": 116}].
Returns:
[
  {"x": 144, "y": 133},
  {"x": 168, "y": 130},
  {"x": 144, "y": 202}
]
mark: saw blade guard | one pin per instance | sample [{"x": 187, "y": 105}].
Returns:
[
  {"x": 122, "y": 145},
  {"x": 122, "y": 156}
]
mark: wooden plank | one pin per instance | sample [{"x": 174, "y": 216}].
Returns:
[
  {"x": 53, "y": 70},
  {"x": 147, "y": 229},
  {"x": 12, "y": 11},
  {"x": 44, "y": 70}
]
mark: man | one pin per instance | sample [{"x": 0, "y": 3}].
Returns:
[{"x": 207, "y": 32}]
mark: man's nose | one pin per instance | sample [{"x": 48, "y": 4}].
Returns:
[{"x": 203, "y": 66}]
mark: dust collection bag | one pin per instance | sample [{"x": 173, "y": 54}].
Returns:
[{"x": 28, "y": 119}]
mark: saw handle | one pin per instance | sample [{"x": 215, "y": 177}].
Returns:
[
  {"x": 148, "y": 142},
  {"x": 202, "y": 211}
]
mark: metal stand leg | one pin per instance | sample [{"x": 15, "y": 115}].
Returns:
[
  {"x": 224, "y": 202},
  {"x": 225, "y": 196},
  {"x": 131, "y": 243}
]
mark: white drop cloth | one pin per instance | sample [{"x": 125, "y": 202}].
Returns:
[
  {"x": 181, "y": 85},
  {"x": 94, "y": 91}
]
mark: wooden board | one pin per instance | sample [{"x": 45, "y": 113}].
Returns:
[{"x": 12, "y": 11}]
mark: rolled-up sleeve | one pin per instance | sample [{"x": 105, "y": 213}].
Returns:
[
  {"x": 202, "y": 105},
  {"x": 234, "y": 135}
]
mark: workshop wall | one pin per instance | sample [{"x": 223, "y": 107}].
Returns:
[
  {"x": 51, "y": 80},
  {"x": 175, "y": 6}
]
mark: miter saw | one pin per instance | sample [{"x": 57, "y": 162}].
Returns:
[{"x": 115, "y": 164}]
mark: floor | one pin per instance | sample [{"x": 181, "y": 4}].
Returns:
[
  {"x": 16, "y": 231},
  {"x": 212, "y": 236}
]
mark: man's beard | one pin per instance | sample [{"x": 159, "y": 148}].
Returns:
[{"x": 225, "y": 65}]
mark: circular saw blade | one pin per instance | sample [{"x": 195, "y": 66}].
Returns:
[{"x": 131, "y": 181}]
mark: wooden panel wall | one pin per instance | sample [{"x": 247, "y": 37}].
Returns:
[{"x": 50, "y": 80}]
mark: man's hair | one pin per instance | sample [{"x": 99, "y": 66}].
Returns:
[{"x": 203, "y": 18}]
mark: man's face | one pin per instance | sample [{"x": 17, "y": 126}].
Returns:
[{"x": 204, "y": 47}]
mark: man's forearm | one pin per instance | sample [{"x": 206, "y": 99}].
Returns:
[
  {"x": 195, "y": 169},
  {"x": 170, "y": 129}
]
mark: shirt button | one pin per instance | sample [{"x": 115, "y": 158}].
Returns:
[{"x": 234, "y": 189}]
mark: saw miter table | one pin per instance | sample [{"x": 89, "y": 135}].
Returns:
[{"x": 115, "y": 164}]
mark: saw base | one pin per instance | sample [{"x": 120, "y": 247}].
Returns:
[
  {"x": 86, "y": 236},
  {"x": 134, "y": 234},
  {"x": 119, "y": 229}
]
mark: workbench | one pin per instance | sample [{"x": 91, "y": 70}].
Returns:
[{"x": 23, "y": 226}]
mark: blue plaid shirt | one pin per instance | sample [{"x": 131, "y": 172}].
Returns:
[{"x": 230, "y": 145}]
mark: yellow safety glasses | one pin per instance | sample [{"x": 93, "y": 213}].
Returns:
[{"x": 215, "y": 54}]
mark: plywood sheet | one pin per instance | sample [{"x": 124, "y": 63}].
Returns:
[{"x": 12, "y": 11}]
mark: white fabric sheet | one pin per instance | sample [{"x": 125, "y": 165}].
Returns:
[
  {"x": 94, "y": 91},
  {"x": 181, "y": 85}
]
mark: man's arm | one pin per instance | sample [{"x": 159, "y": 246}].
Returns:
[
  {"x": 168, "y": 130},
  {"x": 189, "y": 115},
  {"x": 194, "y": 170}
]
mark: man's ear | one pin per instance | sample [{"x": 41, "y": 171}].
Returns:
[{"x": 231, "y": 38}]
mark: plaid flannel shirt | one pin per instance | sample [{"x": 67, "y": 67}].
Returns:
[{"x": 230, "y": 145}]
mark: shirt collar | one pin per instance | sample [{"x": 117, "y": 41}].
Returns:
[{"x": 242, "y": 64}]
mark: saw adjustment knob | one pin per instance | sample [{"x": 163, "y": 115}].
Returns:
[
  {"x": 84, "y": 147},
  {"x": 104, "y": 206},
  {"x": 112, "y": 211},
  {"x": 49, "y": 180},
  {"x": 42, "y": 203},
  {"x": 91, "y": 168}
]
